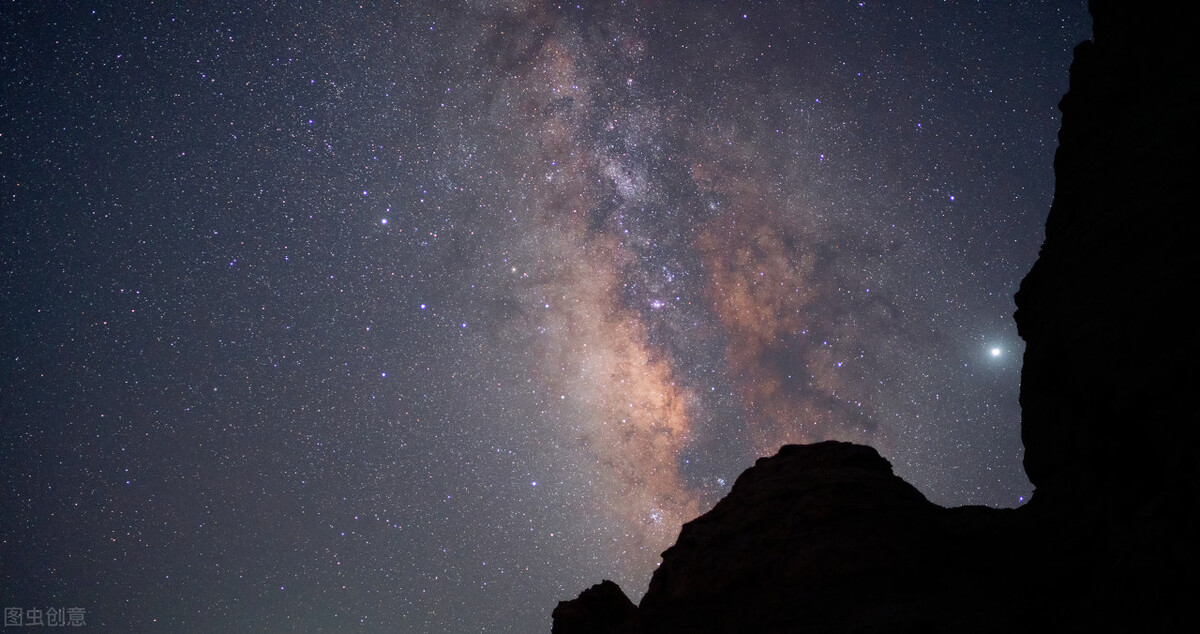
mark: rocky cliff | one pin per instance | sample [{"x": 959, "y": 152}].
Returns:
[{"x": 824, "y": 538}]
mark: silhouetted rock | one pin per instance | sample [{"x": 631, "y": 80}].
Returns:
[
  {"x": 824, "y": 538},
  {"x": 1101, "y": 312},
  {"x": 1110, "y": 439},
  {"x": 601, "y": 609},
  {"x": 827, "y": 522}
]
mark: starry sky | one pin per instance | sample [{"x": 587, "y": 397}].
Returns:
[{"x": 425, "y": 316}]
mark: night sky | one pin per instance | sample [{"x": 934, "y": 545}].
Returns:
[{"x": 425, "y": 317}]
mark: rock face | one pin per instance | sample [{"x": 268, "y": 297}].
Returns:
[
  {"x": 819, "y": 537},
  {"x": 601, "y": 609},
  {"x": 1110, "y": 440},
  {"x": 1101, "y": 311},
  {"x": 825, "y": 521},
  {"x": 824, "y": 538}
]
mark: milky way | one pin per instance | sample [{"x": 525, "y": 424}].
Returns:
[
  {"x": 669, "y": 259},
  {"x": 424, "y": 317}
]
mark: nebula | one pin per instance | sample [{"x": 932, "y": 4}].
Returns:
[
  {"x": 625, "y": 416},
  {"x": 765, "y": 279},
  {"x": 628, "y": 415},
  {"x": 640, "y": 240}
]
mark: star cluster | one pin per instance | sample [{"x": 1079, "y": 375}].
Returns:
[{"x": 425, "y": 316}]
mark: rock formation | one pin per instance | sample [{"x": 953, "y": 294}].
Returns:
[
  {"x": 820, "y": 537},
  {"x": 824, "y": 538}
]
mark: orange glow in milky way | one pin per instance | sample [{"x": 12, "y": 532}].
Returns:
[
  {"x": 625, "y": 417},
  {"x": 763, "y": 269},
  {"x": 628, "y": 414},
  {"x": 767, "y": 287}
]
